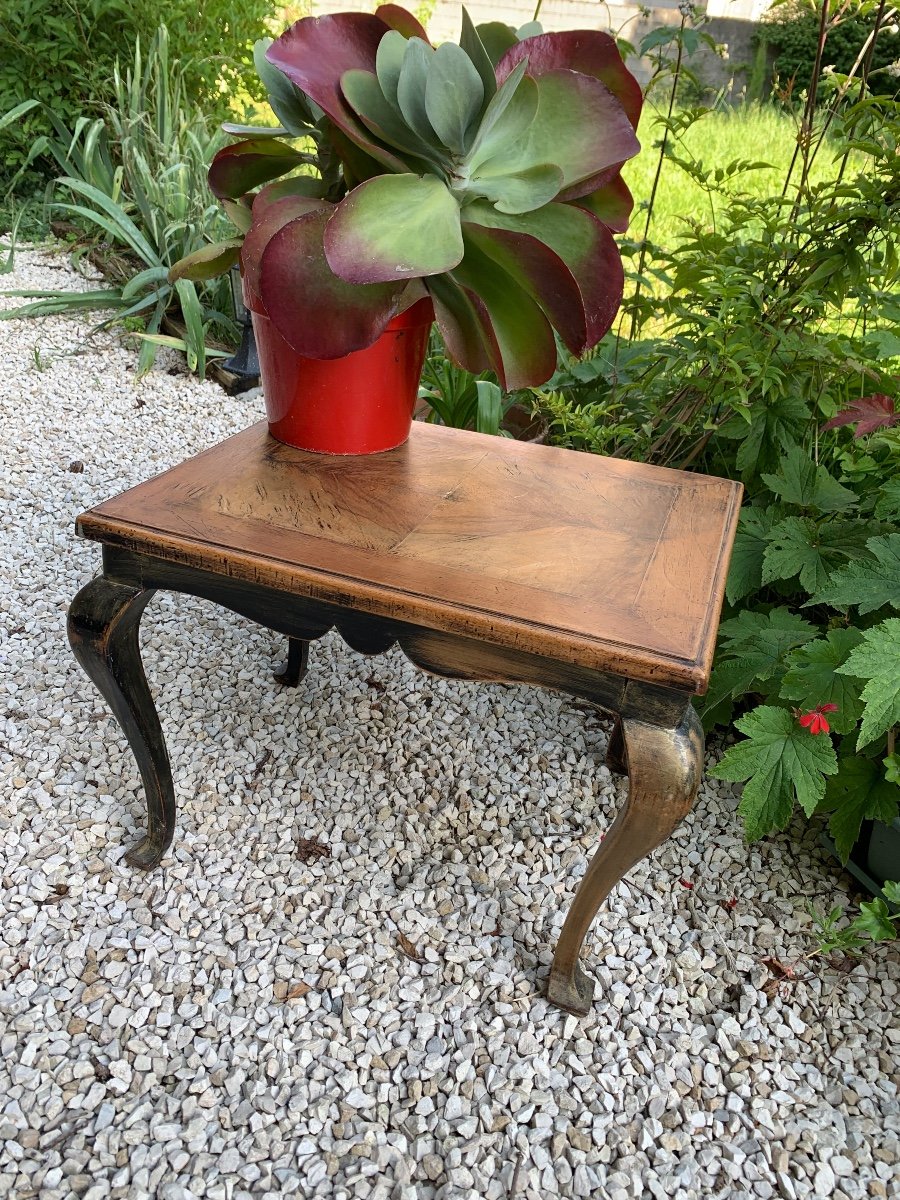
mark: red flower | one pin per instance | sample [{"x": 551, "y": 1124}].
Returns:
[{"x": 815, "y": 721}]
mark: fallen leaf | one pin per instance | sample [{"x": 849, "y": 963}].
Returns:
[
  {"x": 298, "y": 990},
  {"x": 407, "y": 948},
  {"x": 868, "y": 413},
  {"x": 76, "y": 467},
  {"x": 376, "y": 684},
  {"x": 309, "y": 849}
]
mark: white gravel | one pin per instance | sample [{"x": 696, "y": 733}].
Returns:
[{"x": 240, "y": 1023}]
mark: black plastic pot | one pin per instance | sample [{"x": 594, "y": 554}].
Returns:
[{"x": 875, "y": 858}]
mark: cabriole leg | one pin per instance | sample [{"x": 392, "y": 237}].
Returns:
[
  {"x": 104, "y": 619},
  {"x": 297, "y": 663},
  {"x": 664, "y": 768}
]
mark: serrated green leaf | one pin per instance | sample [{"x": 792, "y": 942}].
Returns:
[
  {"x": 763, "y": 639},
  {"x": 867, "y": 583},
  {"x": 855, "y": 794},
  {"x": 730, "y": 678},
  {"x": 812, "y": 679},
  {"x": 891, "y": 891},
  {"x": 801, "y": 481},
  {"x": 800, "y": 545},
  {"x": 745, "y": 571},
  {"x": 875, "y": 919},
  {"x": 781, "y": 763},
  {"x": 877, "y": 659},
  {"x": 769, "y": 428},
  {"x": 887, "y": 507}
]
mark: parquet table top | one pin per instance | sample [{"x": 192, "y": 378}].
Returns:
[{"x": 614, "y": 565}]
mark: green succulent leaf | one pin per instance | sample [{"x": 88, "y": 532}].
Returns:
[
  {"x": 612, "y": 203},
  {"x": 287, "y": 102},
  {"x": 239, "y": 213},
  {"x": 293, "y": 264},
  {"x": 468, "y": 338},
  {"x": 518, "y": 192},
  {"x": 207, "y": 262},
  {"x": 411, "y": 87},
  {"x": 454, "y": 95},
  {"x": 782, "y": 763},
  {"x": 506, "y": 119},
  {"x": 812, "y": 678},
  {"x": 471, "y": 42},
  {"x": 496, "y": 38},
  {"x": 868, "y": 583},
  {"x": 254, "y": 131},
  {"x": 364, "y": 94},
  {"x": 857, "y": 793},
  {"x": 389, "y": 64},
  {"x": 394, "y": 227},
  {"x": 876, "y": 660},
  {"x": 800, "y": 481}
]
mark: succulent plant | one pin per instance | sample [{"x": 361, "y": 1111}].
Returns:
[{"x": 485, "y": 174}]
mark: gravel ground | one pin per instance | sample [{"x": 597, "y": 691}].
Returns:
[{"x": 365, "y": 1018}]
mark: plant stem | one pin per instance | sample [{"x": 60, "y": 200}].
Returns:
[
  {"x": 806, "y": 122},
  {"x": 659, "y": 165},
  {"x": 537, "y": 10}
]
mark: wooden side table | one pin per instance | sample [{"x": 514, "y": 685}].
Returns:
[{"x": 483, "y": 558}]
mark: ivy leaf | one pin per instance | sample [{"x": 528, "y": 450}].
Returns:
[
  {"x": 868, "y": 413},
  {"x": 875, "y": 919},
  {"x": 745, "y": 572},
  {"x": 857, "y": 793},
  {"x": 877, "y": 659},
  {"x": 887, "y": 507},
  {"x": 811, "y": 678},
  {"x": 782, "y": 763},
  {"x": 815, "y": 551},
  {"x": 866, "y": 583},
  {"x": 800, "y": 481}
]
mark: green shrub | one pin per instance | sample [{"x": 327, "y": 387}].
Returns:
[
  {"x": 62, "y": 52},
  {"x": 793, "y": 30}
]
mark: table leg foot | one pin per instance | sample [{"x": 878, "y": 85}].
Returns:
[
  {"x": 104, "y": 619},
  {"x": 297, "y": 663},
  {"x": 664, "y": 768}
]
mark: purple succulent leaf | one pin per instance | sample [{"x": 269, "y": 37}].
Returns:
[
  {"x": 239, "y": 168},
  {"x": 268, "y": 219},
  {"x": 317, "y": 313},
  {"x": 580, "y": 126},
  {"x": 586, "y": 50},
  {"x": 404, "y": 22},
  {"x": 394, "y": 227},
  {"x": 540, "y": 272},
  {"x": 470, "y": 343},
  {"x": 585, "y": 246},
  {"x": 517, "y": 335},
  {"x": 316, "y": 51},
  {"x": 612, "y": 203}
]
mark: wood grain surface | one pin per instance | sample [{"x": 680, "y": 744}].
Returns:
[{"x": 613, "y": 565}]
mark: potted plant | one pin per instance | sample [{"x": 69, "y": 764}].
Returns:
[{"x": 478, "y": 181}]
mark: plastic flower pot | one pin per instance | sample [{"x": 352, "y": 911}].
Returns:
[{"x": 359, "y": 404}]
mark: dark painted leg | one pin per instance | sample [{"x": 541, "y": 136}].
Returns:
[
  {"x": 664, "y": 767},
  {"x": 103, "y": 631},
  {"x": 615, "y": 751},
  {"x": 297, "y": 663}
]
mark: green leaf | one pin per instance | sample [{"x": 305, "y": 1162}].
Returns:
[
  {"x": 731, "y": 678},
  {"x": 782, "y": 763},
  {"x": 388, "y": 65},
  {"x": 800, "y": 481},
  {"x": 762, "y": 640},
  {"x": 855, "y": 794},
  {"x": 454, "y": 95},
  {"x": 745, "y": 572},
  {"x": 875, "y": 919},
  {"x": 815, "y": 551},
  {"x": 887, "y": 507},
  {"x": 891, "y": 891},
  {"x": 394, "y": 227},
  {"x": 288, "y": 103},
  {"x": 877, "y": 660},
  {"x": 471, "y": 42},
  {"x": 768, "y": 428},
  {"x": 15, "y": 114},
  {"x": 207, "y": 262},
  {"x": 812, "y": 678},
  {"x": 507, "y": 117},
  {"x": 245, "y": 165},
  {"x": 496, "y": 37},
  {"x": 489, "y": 412},
  {"x": 363, "y": 93},
  {"x": 518, "y": 192},
  {"x": 868, "y": 584},
  {"x": 411, "y": 85}
]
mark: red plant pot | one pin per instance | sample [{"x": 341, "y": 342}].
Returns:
[{"x": 360, "y": 404}]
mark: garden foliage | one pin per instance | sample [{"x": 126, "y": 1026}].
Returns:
[{"x": 62, "y": 53}]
